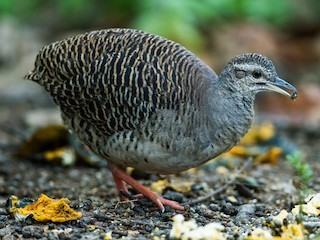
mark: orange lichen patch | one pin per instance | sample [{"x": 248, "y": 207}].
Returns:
[
  {"x": 43, "y": 139},
  {"x": 271, "y": 156},
  {"x": 13, "y": 203},
  {"x": 161, "y": 185},
  {"x": 260, "y": 133},
  {"x": 221, "y": 170},
  {"x": 257, "y": 144},
  {"x": 260, "y": 155},
  {"x": 108, "y": 236},
  {"x": 65, "y": 154},
  {"x": 239, "y": 151},
  {"x": 45, "y": 209},
  {"x": 180, "y": 186}
]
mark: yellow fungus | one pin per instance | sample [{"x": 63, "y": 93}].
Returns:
[{"x": 45, "y": 209}]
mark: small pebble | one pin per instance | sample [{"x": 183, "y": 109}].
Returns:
[
  {"x": 18, "y": 229},
  {"x": 51, "y": 226},
  {"x": 203, "y": 207},
  {"x": 2, "y": 224},
  {"x": 32, "y": 231},
  {"x": 299, "y": 218},
  {"x": 174, "y": 196},
  {"x": 77, "y": 235},
  {"x": 277, "y": 222},
  {"x": 311, "y": 225},
  {"x": 87, "y": 204},
  {"x": 192, "y": 210},
  {"x": 214, "y": 207},
  {"x": 245, "y": 213},
  {"x": 138, "y": 210},
  {"x": 305, "y": 218},
  {"x": 269, "y": 219},
  {"x": 197, "y": 187}
]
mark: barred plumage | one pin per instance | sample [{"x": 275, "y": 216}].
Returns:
[
  {"x": 143, "y": 101},
  {"x": 118, "y": 73}
]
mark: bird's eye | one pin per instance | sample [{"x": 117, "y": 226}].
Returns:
[{"x": 257, "y": 74}]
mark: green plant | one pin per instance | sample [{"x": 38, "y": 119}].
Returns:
[{"x": 303, "y": 170}]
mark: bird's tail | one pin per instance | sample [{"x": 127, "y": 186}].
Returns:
[{"x": 33, "y": 76}]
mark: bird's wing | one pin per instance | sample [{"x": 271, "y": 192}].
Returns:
[
  {"x": 118, "y": 80},
  {"x": 113, "y": 100}
]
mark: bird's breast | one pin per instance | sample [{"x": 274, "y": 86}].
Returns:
[{"x": 163, "y": 144}]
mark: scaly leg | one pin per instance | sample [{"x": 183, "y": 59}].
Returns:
[
  {"x": 120, "y": 177},
  {"x": 120, "y": 185}
]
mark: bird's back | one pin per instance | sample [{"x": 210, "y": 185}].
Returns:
[{"x": 115, "y": 78}]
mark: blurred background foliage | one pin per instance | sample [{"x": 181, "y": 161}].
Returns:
[
  {"x": 185, "y": 21},
  {"x": 287, "y": 31}
]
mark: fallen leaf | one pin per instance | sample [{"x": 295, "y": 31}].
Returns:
[
  {"x": 259, "y": 133},
  {"x": 161, "y": 185},
  {"x": 44, "y": 209},
  {"x": 271, "y": 156}
]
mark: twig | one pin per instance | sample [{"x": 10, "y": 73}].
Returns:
[{"x": 222, "y": 188}]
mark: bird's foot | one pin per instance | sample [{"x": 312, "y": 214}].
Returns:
[
  {"x": 121, "y": 177},
  {"x": 127, "y": 195},
  {"x": 126, "y": 201}
]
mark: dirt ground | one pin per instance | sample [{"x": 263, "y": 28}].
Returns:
[
  {"x": 91, "y": 191},
  {"x": 256, "y": 194}
]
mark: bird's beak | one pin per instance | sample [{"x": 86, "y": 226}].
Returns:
[{"x": 275, "y": 87}]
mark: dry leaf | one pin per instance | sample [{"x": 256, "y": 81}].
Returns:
[{"x": 44, "y": 209}]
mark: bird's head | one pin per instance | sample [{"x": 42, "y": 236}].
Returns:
[{"x": 252, "y": 73}]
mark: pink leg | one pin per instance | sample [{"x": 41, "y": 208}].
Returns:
[
  {"x": 120, "y": 177},
  {"x": 120, "y": 185}
]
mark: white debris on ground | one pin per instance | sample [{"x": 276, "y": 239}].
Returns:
[
  {"x": 184, "y": 230},
  {"x": 281, "y": 216},
  {"x": 259, "y": 233},
  {"x": 312, "y": 206}
]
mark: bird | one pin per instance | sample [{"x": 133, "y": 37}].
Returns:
[{"x": 140, "y": 100}]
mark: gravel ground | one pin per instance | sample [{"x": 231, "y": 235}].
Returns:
[
  {"x": 250, "y": 200},
  {"x": 240, "y": 207}
]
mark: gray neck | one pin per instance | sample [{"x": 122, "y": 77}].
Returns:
[{"x": 230, "y": 114}]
